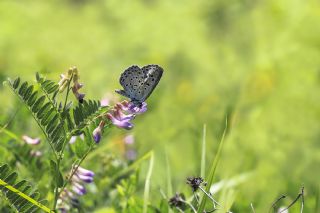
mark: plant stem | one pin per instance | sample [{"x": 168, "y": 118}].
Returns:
[
  {"x": 73, "y": 171},
  {"x": 56, "y": 189},
  {"x": 147, "y": 184},
  {"x": 210, "y": 197},
  {"x": 59, "y": 159},
  {"x": 190, "y": 205}
]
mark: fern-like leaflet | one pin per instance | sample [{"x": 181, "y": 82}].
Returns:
[
  {"x": 41, "y": 107},
  {"x": 19, "y": 193}
]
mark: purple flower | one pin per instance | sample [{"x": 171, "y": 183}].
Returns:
[
  {"x": 83, "y": 175},
  {"x": 177, "y": 201},
  {"x": 129, "y": 139},
  {"x": 84, "y": 178},
  {"x": 69, "y": 197},
  {"x": 97, "y": 132},
  {"x": 83, "y": 171},
  {"x": 31, "y": 141},
  {"x": 131, "y": 154},
  {"x": 194, "y": 182},
  {"x": 79, "y": 96},
  {"x": 78, "y": 188},
  {"x": 119, "y": 115},
  {"x": 131, "y": 108},
  {"x": 124, "y": 123}
]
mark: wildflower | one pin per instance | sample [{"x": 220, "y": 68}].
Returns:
[
  {"x": 78, "y": 188},
  {"x": 194, "y": 182},
  {"x": 66, "y": 200},
  {"x": 129, "y": 139},
  {"x": 131, "y": 108},
  {"x": 69, "y": 197},
  {"x": 124, "y": 123},
  {"x": 177, "y": 201},
  {"x": 79, "y": 96},
  {"x": 119, "y": 115},
  {"x": 76, "y": 85},
  {"x": 80, "y": 177},
  {"x": 97, "y": 132},
  {"x": 85, "y": 172},
  {"x": 31, "y": 141}
]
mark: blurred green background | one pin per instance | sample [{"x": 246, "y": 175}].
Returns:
[{"x": 259, "y": 58}]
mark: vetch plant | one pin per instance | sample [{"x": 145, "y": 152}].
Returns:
[{"x": 63, "y": 120}]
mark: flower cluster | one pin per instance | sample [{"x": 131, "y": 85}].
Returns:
[
  {"x": 178, "y": 201},
  {"x": 64, "y": 81},
  {"x": 124, "y": 112},
  {"x": 195, "y": 182},
  {"x": 69, "y": 197},
  {"x": 121, "y": 116}
]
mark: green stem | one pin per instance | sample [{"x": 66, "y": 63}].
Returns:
[
  {"x": 73, "y": 171},
  {"x": 147, "y": 184},
  {"x": 59, "y": 159},
  {"x": 56, "y": 189}
]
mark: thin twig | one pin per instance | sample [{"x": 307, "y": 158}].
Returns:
[
  {"x": 273, "y": 206},
  {"x": 73, "y": 171},
  {"x": 210, "y": 197},
  {"x": 301, "y": 194},
  {"x": 190, "y": 205}
]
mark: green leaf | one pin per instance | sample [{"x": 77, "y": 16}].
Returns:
[
  {"x": 57, "y": 176},
  {"x": 23, "y": 88},
  {"x": 81, "y": 148},
  {"x": 18, "y": 193},
  {"x": 38, "y": 104},
  {"x": 16, "y": 83}
]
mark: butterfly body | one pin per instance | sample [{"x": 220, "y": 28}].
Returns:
[{"x": 138, "y": 83}]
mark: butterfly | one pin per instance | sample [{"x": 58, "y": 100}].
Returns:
[{"x": 138, "y": 83}]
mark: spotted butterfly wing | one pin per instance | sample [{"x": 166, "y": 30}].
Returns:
[{"x": 138, "y": 83}]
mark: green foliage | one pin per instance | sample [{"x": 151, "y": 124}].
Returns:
[
  {"x": 43, "y": 109},
  {"x": 20, "y": 194},
  {"x": 86, "y": 113},
  {"x": 260, "y": 56}
]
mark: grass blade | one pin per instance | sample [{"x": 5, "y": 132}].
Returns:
[
  {"x": 203, "y": 154},
  {"x": 213, "y": 167},
  {"x": 169, "y": 182},
  {"x": 147, "y": 184}
]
